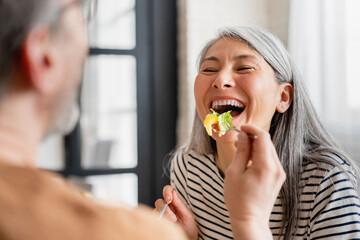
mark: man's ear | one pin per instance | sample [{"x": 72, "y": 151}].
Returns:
[
  {"x": 286, "y": 97},
  {"x": 37, "y": 60}
]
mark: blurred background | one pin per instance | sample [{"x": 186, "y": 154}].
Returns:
[{"x": 137, "y": 97}]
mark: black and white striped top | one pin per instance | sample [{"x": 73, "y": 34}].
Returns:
[{"x": 329, "y": 208}]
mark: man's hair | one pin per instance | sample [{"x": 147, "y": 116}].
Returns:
[{"x": 17, "y": 18}]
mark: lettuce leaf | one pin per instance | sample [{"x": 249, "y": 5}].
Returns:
[{"x": 225, "y": 122}]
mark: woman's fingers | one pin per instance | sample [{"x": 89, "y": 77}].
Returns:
[
  {"x": 177, "y": 211},
  {"x": 185, "y": 217},
  {"x": 181, "y": 209},
  {"x": 167, "y": 193},
  {"x": 169, "y": 213}
]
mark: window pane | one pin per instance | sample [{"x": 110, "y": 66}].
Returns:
[
  {"x": 114, "y": 189},
  {"x": 352, "y": 53},
  {"x": 109, "y": 125},
  {"x": 51, "y": 153},
  {"x": 114, "y": 25}
]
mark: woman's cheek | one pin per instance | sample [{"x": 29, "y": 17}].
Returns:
[{"x": 199, "y": 94}]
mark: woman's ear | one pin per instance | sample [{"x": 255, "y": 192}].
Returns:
[{"x": 286, "y": 97}]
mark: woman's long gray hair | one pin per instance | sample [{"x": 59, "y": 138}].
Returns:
[{"x": 298, "y": 134}]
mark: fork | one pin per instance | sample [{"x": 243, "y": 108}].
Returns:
[
  {"x": 239, "y": 131},
  {"x": 164, "y": 209}
]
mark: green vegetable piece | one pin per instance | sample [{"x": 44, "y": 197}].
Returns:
[
  {"x": 213, "y": 113},
  {"x": 225, "y": 122}
]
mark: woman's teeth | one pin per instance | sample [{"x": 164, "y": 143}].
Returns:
[{"x": 227, "y": 102}]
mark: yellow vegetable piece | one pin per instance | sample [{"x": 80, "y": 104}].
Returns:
[{"x": 209, "y": 121}]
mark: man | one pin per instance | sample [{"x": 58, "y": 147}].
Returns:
[{"x": 43, "y": 46}]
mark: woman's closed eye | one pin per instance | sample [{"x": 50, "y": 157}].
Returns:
[
  {"x": 245, "y": 68},
  {"x": 209, "y": 70}
]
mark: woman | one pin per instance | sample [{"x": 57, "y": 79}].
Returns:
[{"x": 248, "y": 71}]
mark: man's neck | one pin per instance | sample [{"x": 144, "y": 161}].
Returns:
[{"x": 20, "y": 131}]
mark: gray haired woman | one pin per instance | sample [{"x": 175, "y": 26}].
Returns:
[{"x": 234, "y": 186}]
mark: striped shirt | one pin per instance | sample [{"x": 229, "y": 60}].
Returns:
[{"x": 329, "y": 207}]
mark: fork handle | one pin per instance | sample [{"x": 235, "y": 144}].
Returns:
[
  {"x": 163, "y": 210},
  {"x": 249, "y": 135}
]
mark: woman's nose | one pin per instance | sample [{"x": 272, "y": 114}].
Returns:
[{"x": 224, "y": 80}]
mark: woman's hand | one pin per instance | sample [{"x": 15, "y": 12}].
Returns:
[
  {"x": 252, "y": 183},
  {"x": 177, "y": 212}
]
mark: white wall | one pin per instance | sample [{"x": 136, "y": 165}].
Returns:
[{"x": 198, "y": 22}]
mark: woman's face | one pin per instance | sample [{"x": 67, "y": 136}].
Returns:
[{"x": 235, "y": 77}]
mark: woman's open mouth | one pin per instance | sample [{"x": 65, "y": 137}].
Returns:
[{"x": 221, "y": 106}]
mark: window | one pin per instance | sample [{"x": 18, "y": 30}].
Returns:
[
  {"x": 324, "y": 41},
  {"x": 128, "y": 102}
]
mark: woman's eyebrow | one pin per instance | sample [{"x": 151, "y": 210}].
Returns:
[
  {"x": 239, "y": 57},
  {"x": 211, "y": 58},
  {"x": 246, "y": 56}
]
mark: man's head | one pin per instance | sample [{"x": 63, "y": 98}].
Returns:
[{"x": 43, "y": 46}]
